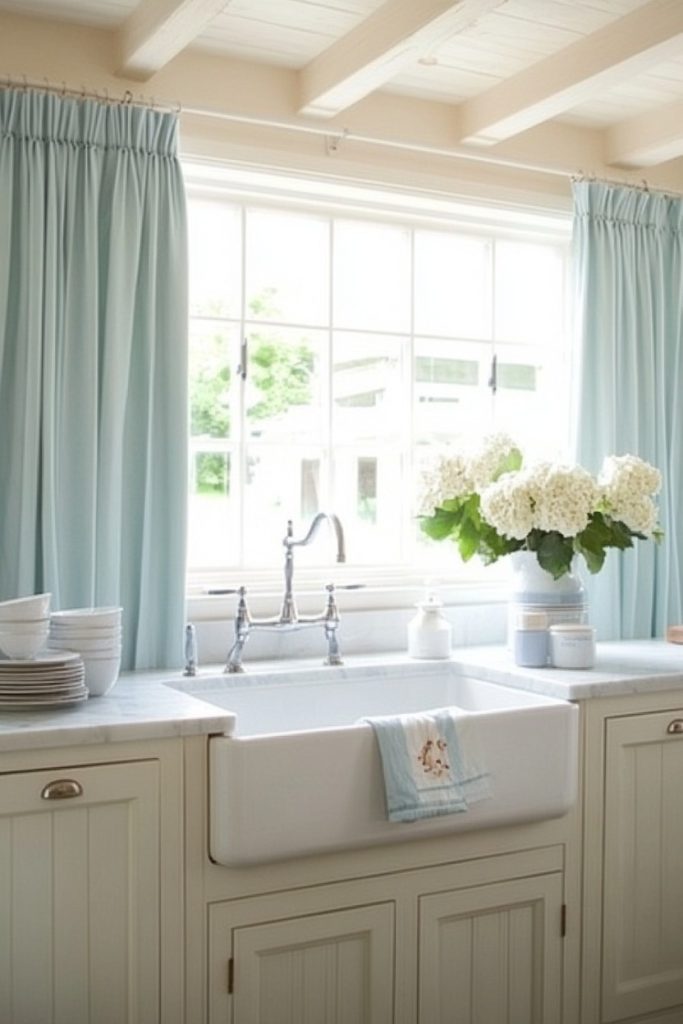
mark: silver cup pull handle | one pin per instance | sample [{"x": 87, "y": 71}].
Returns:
[
  {"x": 62, "y": 789},
  {"x": 675, "y": 728}
]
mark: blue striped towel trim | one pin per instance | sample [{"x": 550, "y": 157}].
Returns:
[{"x": 428, "y": 771}]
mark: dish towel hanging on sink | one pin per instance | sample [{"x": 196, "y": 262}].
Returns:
[{"x": 429, "y": 763}]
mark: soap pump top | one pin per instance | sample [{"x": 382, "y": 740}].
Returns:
[{"x": 429, "y": 633}]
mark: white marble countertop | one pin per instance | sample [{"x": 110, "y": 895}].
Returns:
[
  {"x": 138, "y": 707},
  {"x": 622, "y": 667},
  {"x": 141, "y": 707}
]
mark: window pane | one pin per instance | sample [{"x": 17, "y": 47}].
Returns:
[
  {"x": 287, "y": 264},
  {"x": 371, "y": 501},
  {"x": 283, "y": 397},
  {"x": 371, "y": 276},
  {"x": 452, "y": 398},
  {"x": 529, "y": 405},
  {"x": 529, "y": 292},
  {"x": 278, "y": 488},
  {"x": 369, "y": 397},
  {"x": 213, "y": 350},
  {"x": 213, "y": 533},
  {"x": 452, "y": 285},
  {"x": 366, "y": 506},
  {"x": 215, "y": 255}
]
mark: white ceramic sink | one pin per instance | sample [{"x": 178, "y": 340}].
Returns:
[{"x": 300, "y": 774}]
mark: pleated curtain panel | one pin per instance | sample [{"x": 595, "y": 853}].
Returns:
[
  {"x": 629, "y": 306},
  {"x": 93, "y": 363}
]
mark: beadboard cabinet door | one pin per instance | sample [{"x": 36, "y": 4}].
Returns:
[
  {"x": 643, "y": 866},
  {"x": 492, "y": 954},
  {"x": 330, "y": 968},
  {"x": 79, "y": 895}
]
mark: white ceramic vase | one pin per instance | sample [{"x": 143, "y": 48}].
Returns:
[{"x": 534, "y": 590}]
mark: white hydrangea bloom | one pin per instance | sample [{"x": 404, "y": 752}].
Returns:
[
  {"x": 507, "y": 505},
  {"x": 447, "y": 476},
  {"x": 485, "y": 462},
  {"x": 628, "y": 473},
  {"x": 563, "y": 497},
  {"x": 628, "y": 484}
]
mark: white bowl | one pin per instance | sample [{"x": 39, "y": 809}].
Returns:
[
  {"x": 95, "y": 632},
  {"x": 25, "y": 628},
  {"x": 86, "y": 646},
  {"x": 88, "y": 617},
  {"x": 101, "y": 674},
  {"x": 22, "y": 646},
  {"x": 25, "y": 609}
]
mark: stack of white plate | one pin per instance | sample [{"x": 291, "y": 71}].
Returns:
[
  {"x": 24, "y": 625},
  {"x": 95, "y": 633},
  {"x": 50, "y": 680}
]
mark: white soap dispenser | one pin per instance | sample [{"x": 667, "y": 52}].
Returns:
[{"x": 429, "y": 633}]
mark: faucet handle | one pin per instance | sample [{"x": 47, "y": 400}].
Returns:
[{"x": 221, "y": 591}]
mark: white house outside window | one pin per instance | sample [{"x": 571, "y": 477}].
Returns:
[{"x": 332, "y": 347}]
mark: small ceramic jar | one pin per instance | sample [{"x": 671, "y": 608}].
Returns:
[
  {"x": 572, "y": 645},
  {"x": 531, "y": 639}
]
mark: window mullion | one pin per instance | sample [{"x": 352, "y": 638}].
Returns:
[{"x": 240, "y": 440}]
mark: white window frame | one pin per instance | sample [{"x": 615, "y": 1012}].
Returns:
[{"x": 380, "y": 587}]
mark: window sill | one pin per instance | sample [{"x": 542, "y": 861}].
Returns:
[{"x": 371, "y": 590}]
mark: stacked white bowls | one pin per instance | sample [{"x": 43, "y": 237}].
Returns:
[
  {"x": 95, "y": 633},
  {"x": 24, "y": 625}
]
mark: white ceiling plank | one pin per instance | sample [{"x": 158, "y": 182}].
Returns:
[
  {"x": 652, "y": 33},
  {"x": 646, "y": 139},
  {"x": 367, "y": 57},
  {"x": 157, "y": 30}
]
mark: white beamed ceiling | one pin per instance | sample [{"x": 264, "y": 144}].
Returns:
[{"x": 487, "y": 67}]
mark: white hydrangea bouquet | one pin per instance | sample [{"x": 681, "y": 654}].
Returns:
[{"x": 491, "y": 505}]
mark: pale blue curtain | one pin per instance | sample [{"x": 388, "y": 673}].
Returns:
[
  {"x": 93, "y": 374},
  {"x": 629, "y": 276}
]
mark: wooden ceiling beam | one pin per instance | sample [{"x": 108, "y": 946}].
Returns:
[
  {"x": 157, "y": 30},
  {"x": 646, "y": 139},
  {"x": 554, "y": 85},
  {"x": 395, "y": 35}
]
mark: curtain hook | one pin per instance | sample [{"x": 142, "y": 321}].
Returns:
[
  {"x": 63, "y": 92},
  {"x": 127, "y": 97},
  {"x": 178, "y": 108},
  {"x": 25, "y": 82}
]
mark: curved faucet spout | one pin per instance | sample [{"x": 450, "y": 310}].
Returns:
[
  {"x": 334, "y": 522},
  {"x": 288, "y": 612}
]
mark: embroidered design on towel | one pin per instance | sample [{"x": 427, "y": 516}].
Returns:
[
  {"x": 433, "y": 756},
  {"x": 430, "y": 764}
]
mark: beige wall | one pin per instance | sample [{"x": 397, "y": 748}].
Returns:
[{"x": 397, "y": 140}]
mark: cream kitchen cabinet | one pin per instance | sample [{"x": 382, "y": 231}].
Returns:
[
  {"x": 83, "y": 939},
  {"x": 633, "y": 904},
  {"x": 478, "y": 942},
  {"x": 492, "y": 953}
]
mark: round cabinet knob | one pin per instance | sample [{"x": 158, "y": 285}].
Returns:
[
  {"x": 62, "y": 789},
  {"x": 676, "y": 727}
]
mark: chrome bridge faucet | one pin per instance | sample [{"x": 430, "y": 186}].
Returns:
[{"x": 289, "y": 618}]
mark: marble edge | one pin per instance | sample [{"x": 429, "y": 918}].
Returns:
[
  {"x": 609, "y": 678},
  {"x": 137, "y": 708}
]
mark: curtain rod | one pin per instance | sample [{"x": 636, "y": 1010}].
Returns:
[
  {"x": 640, "y": 186},
  {"x": 127, "y": 99},
  {"x": 333, "y": 140}
]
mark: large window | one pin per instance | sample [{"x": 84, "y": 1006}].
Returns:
[{"x": 331, "y": 348}]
